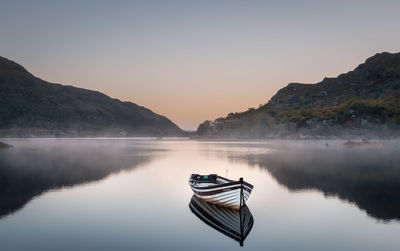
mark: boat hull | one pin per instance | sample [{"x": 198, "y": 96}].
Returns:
[{"x": 231, "y": 194}]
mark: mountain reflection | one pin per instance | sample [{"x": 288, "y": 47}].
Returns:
[
  {"x": 367, "y": 177},
  {"x": 29, "y": 172},
  {"x": 233, "y": 223}
]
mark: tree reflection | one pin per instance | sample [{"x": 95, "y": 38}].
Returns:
[
  {"x": 29, "y": 172},
  {"x": 369, "y": 178}
]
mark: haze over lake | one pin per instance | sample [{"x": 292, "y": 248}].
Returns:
[{"x": 133, "y": 194}]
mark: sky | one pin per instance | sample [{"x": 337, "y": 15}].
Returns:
[{"x": 194, "y": 60}]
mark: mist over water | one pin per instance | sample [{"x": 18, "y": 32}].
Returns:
[
  {"x": 36, "y": 166},
  {"x": 366, "y": 175},
  {"x": 124, "y": 194}
]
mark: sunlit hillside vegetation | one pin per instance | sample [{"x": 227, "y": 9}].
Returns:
[{"x": 364, "y": 102}]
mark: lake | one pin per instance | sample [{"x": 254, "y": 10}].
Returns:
[{"x": 133, "y": 194}]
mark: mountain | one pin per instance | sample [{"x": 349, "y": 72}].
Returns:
[
  {"x": 30, "y": 106},
  {"x": 361, "y": 103}
]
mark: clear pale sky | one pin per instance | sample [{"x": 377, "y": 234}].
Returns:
[{"x": 194, "y": 60}]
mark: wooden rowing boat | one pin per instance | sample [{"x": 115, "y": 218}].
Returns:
[
  {"x": 233, "y": 223},
  {"x": 221, "y": 191}
]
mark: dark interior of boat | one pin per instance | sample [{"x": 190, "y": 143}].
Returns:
[{"x": 212, "y": 178}]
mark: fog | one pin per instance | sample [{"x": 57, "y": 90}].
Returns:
[
  {"x": 32, "y": 167},
  {"x": 367, "y": 175}
]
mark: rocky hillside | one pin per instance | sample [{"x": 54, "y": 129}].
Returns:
[
  {"x": 363, "y": 103},
  {"x": 30, "y": 106}
]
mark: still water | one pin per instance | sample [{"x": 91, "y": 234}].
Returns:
[{"x": 133, "y": 194}]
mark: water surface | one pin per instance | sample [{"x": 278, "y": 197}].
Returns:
[{"x": 132, "y": 194}]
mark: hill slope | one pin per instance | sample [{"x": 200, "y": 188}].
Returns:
[
  {"x": 363, "y": 102},
  {"x": 30, "y": 106}
]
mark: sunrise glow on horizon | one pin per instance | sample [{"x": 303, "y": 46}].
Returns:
[{"x": 193, "y": 61}]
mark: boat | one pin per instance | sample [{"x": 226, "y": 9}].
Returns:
[
  {"x": 220, "y": 191},
  {"x": 236, "y": 224}
]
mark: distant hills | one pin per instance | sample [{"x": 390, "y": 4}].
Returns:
[
  {"x": 364, "y": 102},
  {"x": 30, "y": 106}
]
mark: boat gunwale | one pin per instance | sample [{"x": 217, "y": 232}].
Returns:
[{"x": 231, "y": 182}]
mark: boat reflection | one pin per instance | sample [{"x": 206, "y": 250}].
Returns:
[{"x": 233, "y": 223}]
